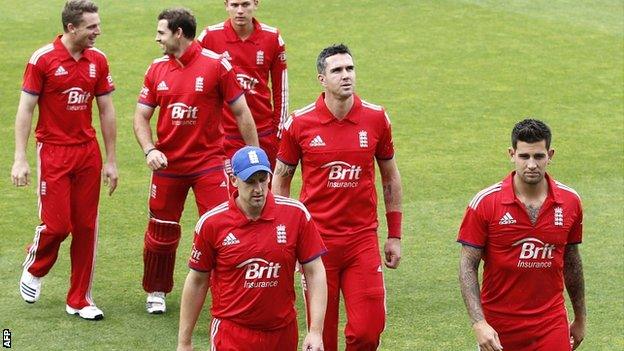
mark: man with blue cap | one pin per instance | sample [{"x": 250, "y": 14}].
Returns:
[{"x": 250, "y": 246}]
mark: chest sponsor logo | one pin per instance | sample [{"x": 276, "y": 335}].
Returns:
[
  {"x": 281, "y": 234},
  {"x": 230, "y": 239},
  {"x": 534, "y": 253},
  {"x": 92, "y": 72},
  {"x": 317, "y": 141},
  {"x": 162, "y": 86},
  {"x": 363, "y": 137},
  {"x": 246, "y": 82},
  {"x": 342, "y": 174},
  {"x": 77, "y": 99},
  {"x": 507, "y": 219},
  {"x": 558, "y": 217},
  {"x": 260, "y": 273},
  {"x": 183, "y": 114},
  {"x": 60, "y": 71},
  {"x": 259, "y": 57},
  {"x": 199, "y": 84}
]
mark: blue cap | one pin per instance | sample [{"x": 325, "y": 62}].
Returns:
[{"x": 249, "y": 160}]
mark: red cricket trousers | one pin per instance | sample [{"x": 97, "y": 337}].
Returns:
[
  {"x": 229, "y": 336},
  {"x": 548, "y": 333},
  {"x": 69, "y": 193}
]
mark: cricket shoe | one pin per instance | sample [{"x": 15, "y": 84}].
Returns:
[
  {"x": 30, "y": 287},
  {"x": 90, "y": 312},
  {"x": 155, "y": 303}
]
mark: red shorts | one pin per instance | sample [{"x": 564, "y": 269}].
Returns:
[
  {"x": 229, "y": 336},
  {"x": 550, "y": 333}
]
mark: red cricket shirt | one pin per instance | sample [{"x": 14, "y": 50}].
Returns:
[
  {"x": 338, "y": 163},
  {"x": 253, "y": 262},
  {"x": 66, "y": 88},
  {"x": 523, "y": 263},
  {"x": 190, "y": 92},
  {"x": 254, "y": 59}
]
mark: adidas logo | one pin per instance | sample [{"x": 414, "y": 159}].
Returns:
[
  {"x": 507, "y": 219},
  {"x": 60, "y": 71},
  {"x": 162, "y": 86},
  {"x": 317, "y": 141},
  {"x": 230, "y": 239},
  {"x": 223, "y": 184}
]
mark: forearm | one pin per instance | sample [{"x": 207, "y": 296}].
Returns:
[
  {"x": 317, "y": 296},
  {"x": 244, "y": 120},
  {"x": 469, "y": 283},
  {"x": 193, "y": 297},
  {"x": 109, "y": 134},
  {"x": 23, "y": 123},
  {"x": 282, "y": 177},
  {"x": 142, "y": 130},
  {"x": 575, "y": 281}
]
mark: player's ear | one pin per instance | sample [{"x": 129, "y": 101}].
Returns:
[
  {"x": 234, "y": 181},
  {"x": 511, "y": 152},
  {"x": 551, "y": 153},
  {"x": 321, "y": 78}
]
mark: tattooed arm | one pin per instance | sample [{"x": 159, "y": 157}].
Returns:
[
  {"x": 393, "y": 198},
  {"x": 575, "y": 285},
  {"x": 282, "y": 176},
  {"x": 469, "y": 283}
]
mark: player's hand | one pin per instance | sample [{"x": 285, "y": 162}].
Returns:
[
  {"x": 577, "y": 332},
  {"x": 392, "y": 251},
  {"x": 110, "y": 176},
  {"x": 313, "y": 342},
  {"x": 156, "y": 160},
  {"x": 487, "y": 337},
  {"x": 20, "y": 172}
]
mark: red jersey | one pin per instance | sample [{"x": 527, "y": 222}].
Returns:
[
  {"x": 337, "y": 160},
  {"x": 253, "y": 262},
  {"x": 254, "y": 58},
  {"x": 190, "y": 92},
  {"x": 66, "y": 89},
  {"x": 523, "y": 262}
]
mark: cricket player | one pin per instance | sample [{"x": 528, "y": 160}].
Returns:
[
  {"x": 250, "y": 245},
  {"x": 258, "y": 54},
  {"x": 63, "y": 78},
  {"x": 337, "y": 140},
  {"x": 189, "y": 85},
  {"x": 526, "y": 229}
]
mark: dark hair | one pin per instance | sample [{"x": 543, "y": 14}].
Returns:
[
  {"x": 530, "y": 131},
  {"x": 330, "y": 51},
  {"x": 73, "y": 10},
  {"x": 180, "y": 18}
]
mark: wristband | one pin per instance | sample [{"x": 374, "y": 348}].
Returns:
[
  {"x": 393, "y": 219},
  {"x": 148, "y": 151}
]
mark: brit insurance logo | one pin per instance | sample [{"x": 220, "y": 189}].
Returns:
[
  {"x": 342, "y": 174},
  {"x": 183, "y": 114},
  {"x": 534, "y": 253},
  {"x": 260, "y": 273},
  {"x": 77, "y": 99},
  {"x": 248, "y": 83}
]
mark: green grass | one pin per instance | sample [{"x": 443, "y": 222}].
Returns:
[{"x": 454, "y": 75}]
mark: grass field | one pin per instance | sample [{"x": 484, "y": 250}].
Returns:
[{"x": 454, "y": 75}]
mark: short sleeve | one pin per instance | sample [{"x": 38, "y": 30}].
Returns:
[
  {"x": 33, "y": 79},
  {"x": 147, "y": 96},
  {"x": 202, "y": 254},
  {"x": 309, "y": 242},
  {"x": 473, "y": 230},
  {"x": 230, "y": 90},
  {"x": 105, "y": 84},
  {"x": 289, "y": 149},
  {"x": 385, "y": 147},
  {"x": 575, "y": 236}
]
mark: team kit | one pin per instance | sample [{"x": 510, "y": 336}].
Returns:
[{"x": 223, "y": 129}]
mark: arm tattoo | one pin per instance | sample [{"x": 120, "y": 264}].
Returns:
[
  {"x": 533, "y": 212},
  {"x": 469, "y": 281},
  {"x": 574, "y": 281},
  {"x": 283, "y": 170}
]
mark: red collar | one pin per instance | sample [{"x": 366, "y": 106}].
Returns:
[
  {"x": 64, "y": 53},
  {"x": 509, "y": 196},
  {"x": 231, "y": 36},
  {"x": 268, "y": 212},
  {"x": 327, "y": 116},
  {"x": 188, "y": 56}
]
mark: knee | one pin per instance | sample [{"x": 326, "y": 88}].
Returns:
[
  {"x": 162, "y": 236},
  {"x": 366, "y": 335},
  {"x": 59, "y": 229}
]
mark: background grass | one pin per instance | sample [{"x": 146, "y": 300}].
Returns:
[{"x": 454, "y": 75}]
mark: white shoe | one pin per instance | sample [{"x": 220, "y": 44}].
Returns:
[
  {"x": 155, "y": 303},
  {"x": 91, "y": 312},
  {"x": 30, "y": 287}
]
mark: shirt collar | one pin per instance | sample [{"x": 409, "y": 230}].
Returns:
[
  {"x": 327, "y": 116},
  {"x": 268, "y": 212},
  {"x": 188, "y": 56},
  {"x": 231, "y": 36},
  {"x": 509, "y": 196},
  {"x": 64, "y": 53}
]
